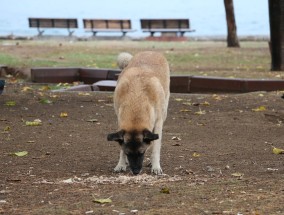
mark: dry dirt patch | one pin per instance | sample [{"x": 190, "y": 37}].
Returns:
[{"x": 219, "y": 147}]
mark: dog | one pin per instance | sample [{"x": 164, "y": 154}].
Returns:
[{"x": 141, "y": 100}]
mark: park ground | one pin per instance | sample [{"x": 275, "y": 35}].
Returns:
[{"x": 217, "y": 152}]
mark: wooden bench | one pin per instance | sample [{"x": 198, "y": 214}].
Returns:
[
  {"x": 108, "y": 25},
  {"x": 167, "y": 27},
  {"x": 53, "y": 23}
]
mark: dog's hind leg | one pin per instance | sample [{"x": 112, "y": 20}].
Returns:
[
  {"x": 122, "y": 163},
  {"x": 156, "y": 150}
]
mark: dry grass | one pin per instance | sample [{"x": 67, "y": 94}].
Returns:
[{"x": 206, "y": 58}]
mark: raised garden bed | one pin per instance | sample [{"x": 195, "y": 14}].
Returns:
[{"x": 105, "y": 80}]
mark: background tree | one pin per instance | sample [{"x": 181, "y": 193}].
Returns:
[
  {"x": 276, "y": 18},
  {"x": 232, "y": 38}
]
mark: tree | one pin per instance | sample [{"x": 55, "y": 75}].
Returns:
[
  {"x": 276, "y": 18},
  {"x": 232, "y": 38}
]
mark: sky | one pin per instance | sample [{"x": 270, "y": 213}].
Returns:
[{"x": 207, "y": 16}]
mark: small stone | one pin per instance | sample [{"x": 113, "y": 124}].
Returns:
[{"x": 210, "y": 169}]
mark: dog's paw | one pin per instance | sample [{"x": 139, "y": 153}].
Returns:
[
  {"x": 157, "y": 170},
  {"x": 120, "y": 168}
]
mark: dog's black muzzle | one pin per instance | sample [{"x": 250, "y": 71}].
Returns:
[{"x": 135, "y": 162}]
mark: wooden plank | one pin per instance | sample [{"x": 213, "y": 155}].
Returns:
[
  {"x": 165, "y": 23},
  {"x": 53, "y": 23},
  {"x": 106, "y": 24},
  {"x": 167, "y": 30}
]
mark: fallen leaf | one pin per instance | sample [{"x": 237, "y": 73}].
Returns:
[
  {"x": 10, "y": 103},
  {"x": 187, "y": 103},
  {"x": 200, "y": 124},
  {"x": 30, "y": 141},
  {"x": 76, "y": 83},
  {"x": 27, "y": 89},
  {"x": 63, "y": 114},
  {"x": 205, "y": 103},
  {"x": 216, "y": 97},
  {"x": 44, "y": 88},
  {"x": 185, "y": 110},
  {"x": 84, "y": 94},
  {"x": 277, "y": 151},
  {"x": 258, "y": 109},
  {"x": 7, "y": 128},
  {"x": 20, "y": 154},
  {"x": 196, "y": 155},
  {"x": 92, "y": 120},
  {"x": 237, "y": 174},
  {"x": 165, "y": 190},
  {"x": 102, "y": 201},
  {"x": 53, "y": 96},
  {"x": 200, "y": 112},
  {"x": 36, "y": 122},
  {"x": 178, "y": 99},
  {"x": 45, "y": 101},
  {"x": 176, "y": 138}
]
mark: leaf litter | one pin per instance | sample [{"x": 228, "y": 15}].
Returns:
[
  {"x": 123, "y": 179},
  {"x": 36, "y": 122},
  {"x": 20, "y": 154},
  {"x": 277, "y": 151},
  {"x": 10, "y": 103},
  {"x": 102, "y": 201},
  {"x": 259, "y": 109}
]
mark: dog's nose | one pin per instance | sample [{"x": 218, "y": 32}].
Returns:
[{"x": 136, "y": 171}]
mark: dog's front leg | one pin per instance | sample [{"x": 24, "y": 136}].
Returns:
[
  {"x": 122, "y": 163},
  {"x": 156, "y": 150}
]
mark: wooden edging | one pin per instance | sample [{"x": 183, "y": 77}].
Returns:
[{"x": 179, "y": 84}]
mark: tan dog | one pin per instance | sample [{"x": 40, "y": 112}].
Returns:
[{"x": 141, "y": 101}]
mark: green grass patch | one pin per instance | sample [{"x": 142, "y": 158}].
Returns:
[{"x": 9, "y": 60}]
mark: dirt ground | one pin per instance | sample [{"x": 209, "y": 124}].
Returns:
[{"x": 216, "y": 155}]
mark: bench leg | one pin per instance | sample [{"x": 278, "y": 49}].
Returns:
[
  {"x": 94, "y": 33},
  {"x": 124, "y": 34},
  {"x": 152, "y": 33},
  {"x": 70, "y": 32},
  {"x": 40, "y": 32}
]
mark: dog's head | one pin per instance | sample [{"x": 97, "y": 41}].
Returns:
[{"x": 134, "y": 144}]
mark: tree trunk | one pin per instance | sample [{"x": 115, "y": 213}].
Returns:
[
  {"x": 276, "y": 18},
  {"x": 232, "y": 38}
]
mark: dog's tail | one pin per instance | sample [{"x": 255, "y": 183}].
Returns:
[{"x": 123, "y": 59}]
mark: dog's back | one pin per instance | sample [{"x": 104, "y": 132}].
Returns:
[
  {"x": 154, "y": 64},
  {"x": 142, "y": 85}
]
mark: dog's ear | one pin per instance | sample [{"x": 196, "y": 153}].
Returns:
[
  {"x": 148, "y": 136},
  {"x": 118, "y": 136}
]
